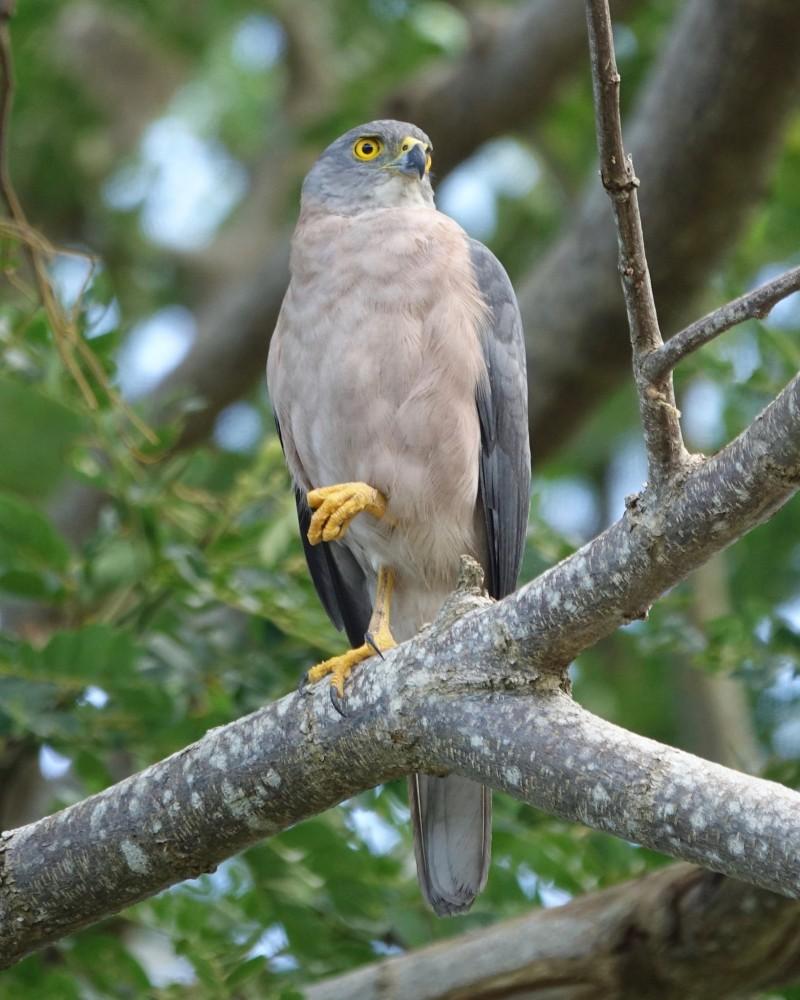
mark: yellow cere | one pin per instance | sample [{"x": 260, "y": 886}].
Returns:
[
  {"x": 367, "y": 148},
  {"x": 410, "y": 141}
]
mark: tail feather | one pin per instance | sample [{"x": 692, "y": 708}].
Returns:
[{"x": 452, "y": 821}]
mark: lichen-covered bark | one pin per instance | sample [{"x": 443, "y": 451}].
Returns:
[
  {"x": 478, "y": 692},
  {"x": 678, "y": 934},
  {"x": 184, "y": 815},
  {"x": 550, "y": 752},
  {"x": 661, "y": 538}
]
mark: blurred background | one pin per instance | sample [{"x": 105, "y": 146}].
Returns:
[{"x": 151, "y": 575}]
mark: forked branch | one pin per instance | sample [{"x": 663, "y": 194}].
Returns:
[{"x": 660, "y": 418}]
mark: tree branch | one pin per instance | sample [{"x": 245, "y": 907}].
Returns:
[
  {"x": 125, "y": 71},
  {"x": 478, "y": 693},
  {"x": 510, "y": 75},
  {"x": 702, "y": 172},
  {"x": 704, "y": 164},
  {"x": 755, "y": 305},
  {"x": 678, "y": 934},
  {"x": 662, "y": 432}
]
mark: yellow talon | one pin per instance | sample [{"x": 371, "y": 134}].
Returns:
[
  {"x": 340, "y": 667},
  {"x": 335, "y": 507},
  {"x": 379, "y": 639}
]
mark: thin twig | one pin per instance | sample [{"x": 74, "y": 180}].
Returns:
[
  {"x": 660, "y": 418},
  {"x": 71, "y": 346},
  {"x": 755, "y": 305}
]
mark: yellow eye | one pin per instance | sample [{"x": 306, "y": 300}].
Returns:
[{"x": 367, "y": 149}]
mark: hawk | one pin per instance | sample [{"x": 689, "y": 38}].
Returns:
[{"x": 397, "y": 378}]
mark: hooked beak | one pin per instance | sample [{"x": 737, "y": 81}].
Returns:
[{"x": 415, "y": 161}]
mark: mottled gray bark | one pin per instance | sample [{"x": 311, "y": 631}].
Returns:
[
  {"x": 678, "y": 934},
  {"x": 480, "y": 692}
]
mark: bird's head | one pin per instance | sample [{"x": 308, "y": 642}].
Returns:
[{"x": 383, "y": 164}]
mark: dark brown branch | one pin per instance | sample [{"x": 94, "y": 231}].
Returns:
[
  {"x": 662, "y": 433},
  {"x": 678, "y": 934},
  {"x": 755, "y": 305}
]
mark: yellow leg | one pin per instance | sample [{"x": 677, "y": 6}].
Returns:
[
  {"x": 335, "y": 507},
  {"x": 378, "y": 640}
]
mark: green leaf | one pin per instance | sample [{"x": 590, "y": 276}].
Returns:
[
  {"x": 29, "y": 584},
  {"x": 27, "y": 537},
  {"x": 37, "y": 434},
  {"x": 90, "y": 653},
  {"x": 245, "y": 970}
]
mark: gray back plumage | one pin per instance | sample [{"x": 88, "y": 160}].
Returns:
[
  {"x": 505, "y": 472},
  {"x": 452, "y": 816}
]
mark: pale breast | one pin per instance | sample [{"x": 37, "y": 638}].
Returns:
[{"x": 379, "y": 360}]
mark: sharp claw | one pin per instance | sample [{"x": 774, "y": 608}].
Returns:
[
  {"x": 369, "y": 638},
  {"x": 302, "y": 686},
  {"x": 337, "y": 701}
]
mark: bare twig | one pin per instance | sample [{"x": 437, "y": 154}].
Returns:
[
  {"x": 660, "y": 418},
  {"x": 71, "y": 346},
  {"x": 755, "y": 305}
]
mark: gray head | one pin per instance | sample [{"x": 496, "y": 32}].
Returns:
[{"x": 383, "y": 164}]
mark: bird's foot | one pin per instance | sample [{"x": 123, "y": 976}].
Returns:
[
  {"x": 335, "y": 507},
  {"x": 339, "y": 668}
]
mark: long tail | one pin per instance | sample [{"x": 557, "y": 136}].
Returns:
[{"x": 452, "y": 820}]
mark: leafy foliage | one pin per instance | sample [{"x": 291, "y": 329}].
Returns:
[{"x": 187, "y": 603}]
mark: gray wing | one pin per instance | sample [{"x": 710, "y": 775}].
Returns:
[
  {"x": 502, "y": 400},
  {"x": 451, "y": 816},
  {"x": 339, "y": 581}
]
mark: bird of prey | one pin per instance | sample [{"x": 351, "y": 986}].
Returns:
[{"x": 397, "y": 378}]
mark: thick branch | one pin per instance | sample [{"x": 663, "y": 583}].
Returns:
[
  {"x": 662, "y": 433},
  {"x": 422, "y": 708},
  {"x": 122, "y": 67},
  {"x": 480, "y": 696},
  {"x": 678, "y": 934},
  {"x": 755, "y": 305}
]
